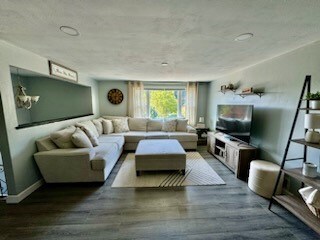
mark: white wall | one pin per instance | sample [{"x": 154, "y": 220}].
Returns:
[
  {"x": 281, "y": 78},
  {"x": 20, "y": 167}
]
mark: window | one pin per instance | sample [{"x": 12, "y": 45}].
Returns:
[{"x": 169, "y": 103}]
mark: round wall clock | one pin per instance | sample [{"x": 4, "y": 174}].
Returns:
[{"x": 115, "y": 96}]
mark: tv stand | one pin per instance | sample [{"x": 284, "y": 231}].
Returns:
[{"x": 236, "y": 155}]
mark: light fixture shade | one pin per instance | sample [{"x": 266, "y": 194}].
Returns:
[
  {"x": 312, "y": 121},
  {"x": 35, "y": 98}
]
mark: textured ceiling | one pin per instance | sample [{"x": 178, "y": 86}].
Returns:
[{"x": 129, "y": 39}]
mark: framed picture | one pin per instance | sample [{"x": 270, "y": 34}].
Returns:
[{"x": 58, "y": 70}]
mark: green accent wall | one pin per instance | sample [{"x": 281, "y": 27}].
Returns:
[{"x": 20, "y": 167}]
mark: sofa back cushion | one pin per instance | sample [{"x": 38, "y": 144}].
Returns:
[
  {"x": 138, "y": 124},
  {"x": 45, "y": 144},
  {"x": 169, "y": 125},
  {"x": 88, "y": 125},
  {"x": 182, "y": 125},
  {"x": 120, "y": 125},
  {"x": 154, "y": 125},
  {"x": 62, "y": 138},
  {"x": 93, "y": 139},
  {"x": 98, "y": 124},
  {"x": 80, "y": 139},
  {"x": 107, "y": 126}
]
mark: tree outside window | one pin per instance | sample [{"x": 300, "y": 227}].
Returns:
[{"x": 166, "y": 103}]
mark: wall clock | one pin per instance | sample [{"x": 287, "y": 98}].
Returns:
[{"x": 115, "y": 96}]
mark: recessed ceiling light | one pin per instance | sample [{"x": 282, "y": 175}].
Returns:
[
  {"x": 164, "y": 64},
  {"x": 243, "y": 37},
  {"x": 69, "y": 30}
]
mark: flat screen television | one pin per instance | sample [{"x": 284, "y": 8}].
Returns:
[{"x": 235, "y": 121}]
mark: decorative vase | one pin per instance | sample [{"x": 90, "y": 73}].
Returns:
[
  {"x": 315, "y": 104},
  {"x": 309, "y": 170},
  {"x": 312, "y": 137}
]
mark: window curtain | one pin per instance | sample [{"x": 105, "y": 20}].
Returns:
[
  {"x": 136, "y": 100},
  {"x": 192, "y": 102}
]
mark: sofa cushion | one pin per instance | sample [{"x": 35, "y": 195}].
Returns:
[
  {"x": 45, "y": 144},
  {"x": 182, "y": 125},
  {"x": 138, "y": 124},
  {"x": 183, "y": 136},
  {"x": 98, "y": 124},
  {"x": 118, "y": 140},
  {"x": 114, "y": 117},
  {"x": 62, "y": 138},
  {"x": 120, "y": 125},
  {"x": 157, "y": 135},
  {"x": 93, "y": 139},
  {"x": 88, "y": 125},
  {"x": 80, "y": 139},
  {"x": 133, "y": 137},
  {"x": 169, "y": 125},
  {"x": 154, "y": 125},
  {"x": 107, "y": 126}
]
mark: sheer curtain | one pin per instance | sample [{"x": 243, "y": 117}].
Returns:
[
  {"x": 136, "y": 100},
  {"x": 192, "y": 102}
]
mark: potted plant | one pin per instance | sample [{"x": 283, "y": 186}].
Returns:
[{"x": 314, "y": 99}]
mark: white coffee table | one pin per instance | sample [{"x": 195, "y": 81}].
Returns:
[{"x": 160, "y": 154}]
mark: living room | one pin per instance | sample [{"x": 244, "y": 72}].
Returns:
[{"x": 163, "y": 45}]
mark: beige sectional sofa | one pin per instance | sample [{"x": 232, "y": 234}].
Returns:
[{"x": 64, "y": 157}]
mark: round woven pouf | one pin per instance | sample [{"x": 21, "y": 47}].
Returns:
[{"x": 262, "y": 178}]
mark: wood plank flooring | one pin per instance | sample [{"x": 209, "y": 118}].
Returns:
[{"x": 96, "y": 211}]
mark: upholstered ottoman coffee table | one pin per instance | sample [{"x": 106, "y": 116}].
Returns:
[{"x": 160, "y": 154}]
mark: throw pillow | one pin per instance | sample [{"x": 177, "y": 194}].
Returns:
[
  {"x": 88, "y": 125},
  {"x": 154, "y": 125},
  {"x": 107, "y": 126},
  {"x": 120, "y": 125},
  {"x": 62, "y": 138},
  {"x": 169, "y": 125},
  {"x": 182, "y": 125},
  {"x": 138, "y": 124},
  {"x": 93, "y": 139},
  {"x": 80, "y": 139},
  {"x": 98, "y": 124}
]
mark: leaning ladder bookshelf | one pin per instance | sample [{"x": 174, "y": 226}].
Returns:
[{"x": 291, "y": 202}]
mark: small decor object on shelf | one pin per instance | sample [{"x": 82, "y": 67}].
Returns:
[
  {"x": 115, "y": 96},
  {"x": 63, "y": 72},
  {"x": 247, "y": 90},
  {"x": 230, "y": 86},
  {"x": 314, "y": 99},
  {"x": 311, "y": 196},
  {"x": 312, "y": 122},
  {"x": 223, "y": 88},
  {"x": 309, "y": 170}
]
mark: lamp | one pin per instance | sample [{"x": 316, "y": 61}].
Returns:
[
  {"x": 312, "y": 121},
  {"x": 201, "y": 123}
]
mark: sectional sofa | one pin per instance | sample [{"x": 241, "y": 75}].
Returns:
[{"x": 88, "y": 151}]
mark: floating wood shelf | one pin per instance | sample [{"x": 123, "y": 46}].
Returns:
[
  {"x": 298, "y": 207},
  {"x": 243, "y": 95},
  {"x": 228, "y": 90}
]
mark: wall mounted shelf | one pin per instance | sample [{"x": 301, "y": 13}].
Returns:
[
  {"x": 243, "y": 95},
  {"x": 228, "y": 90}
]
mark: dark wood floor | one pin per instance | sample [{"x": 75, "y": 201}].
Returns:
[{"x": 89, "y": 211}]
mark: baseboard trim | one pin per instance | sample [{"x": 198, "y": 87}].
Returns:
[{"x": 14, "y": 199}]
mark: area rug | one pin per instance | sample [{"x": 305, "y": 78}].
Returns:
[{"x": 198, "y": 172}]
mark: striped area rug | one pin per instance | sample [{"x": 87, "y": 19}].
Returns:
[{"x": 198, "y": 172}]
